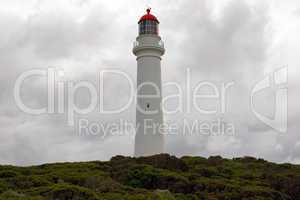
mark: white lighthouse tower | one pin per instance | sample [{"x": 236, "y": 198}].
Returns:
[{"x": 149, "y": 48}]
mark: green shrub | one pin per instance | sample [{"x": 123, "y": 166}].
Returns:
[
  {"x": 12, "y": 195},
  {"x": 160, "y": 177},
  {"x": 8, "y": 174}
]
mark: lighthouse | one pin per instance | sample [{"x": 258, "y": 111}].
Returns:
[{"x": 148, "y": 49}]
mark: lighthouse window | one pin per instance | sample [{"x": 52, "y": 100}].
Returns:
[
  {"x": 148, "y": 105},
  {"x": 148, "y": 27}
]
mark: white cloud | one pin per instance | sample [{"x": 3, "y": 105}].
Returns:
[{"x": 232, "y": 40}]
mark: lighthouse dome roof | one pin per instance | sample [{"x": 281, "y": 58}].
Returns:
[{"x": 149, "y": 17}]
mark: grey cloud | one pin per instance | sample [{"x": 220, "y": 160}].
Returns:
[{"x": 234, "y": 45}]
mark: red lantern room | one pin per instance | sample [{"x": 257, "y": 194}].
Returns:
[{"x": 148, "y": 24}]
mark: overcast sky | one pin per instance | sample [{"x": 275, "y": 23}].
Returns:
[{"x": 219, "y": 41}]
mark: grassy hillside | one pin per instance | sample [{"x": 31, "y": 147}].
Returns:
[{"x": 160, "y": 177}]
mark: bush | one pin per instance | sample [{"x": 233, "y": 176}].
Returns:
[
  {"x": 156, "y": 177},
  {"x": 66, "y": 192},
  {"x": 12, "y": 195}
]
